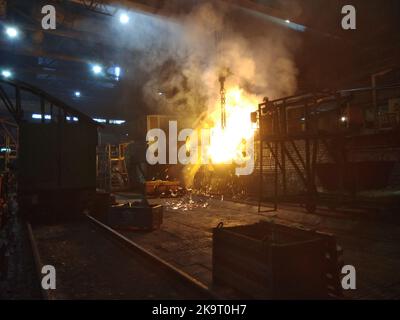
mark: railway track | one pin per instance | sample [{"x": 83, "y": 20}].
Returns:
[
  {"x": 137, "y": 249},
  {"x": 46, "y": 295},
  {"x": 93, "y": 261}
]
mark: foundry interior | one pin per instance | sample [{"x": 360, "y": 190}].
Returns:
[{"x": 183, "y": 149}]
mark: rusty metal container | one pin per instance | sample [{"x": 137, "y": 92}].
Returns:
[
  {"x": 142, "y": 217},
  {"x": 159, "y": 187},
  {"x": 100, "y": 204},
  {"x": 276, "y": 261}
]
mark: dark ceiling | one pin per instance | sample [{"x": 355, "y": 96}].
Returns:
[{"x": 59, "y": 61}]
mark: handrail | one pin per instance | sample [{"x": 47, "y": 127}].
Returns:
[
  {"x": 55, "y": 101},
  {"x": 325, "y": 94}
]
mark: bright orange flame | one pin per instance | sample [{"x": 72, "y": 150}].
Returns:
[{"x": 226, "y": 145}]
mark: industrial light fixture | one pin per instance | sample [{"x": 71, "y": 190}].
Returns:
[
  {"x": 109, "y": 121},
  {"x": 39, "y": 116},
  {"x": 118, "y": 122},
  {"x": 6, "y": 73},
  {"x": 117, "y": 71},
  {"x": 97, "y": 69},
  {"x": 100, "y": 120},
  {"x": 12, "y": 32},
  {"x": 72, "y": 119},
  {"x": 124, "y": 18}
]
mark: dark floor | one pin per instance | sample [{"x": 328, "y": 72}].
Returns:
[
  {"x": 184, "y": 240},
  {"x": 19, "y": 278},
  {"x": 91, "y": 266}
]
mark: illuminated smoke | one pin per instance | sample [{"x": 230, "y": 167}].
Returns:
[
  {"x": 171, "y": 62},
  {"x": 195, "y": 48}
]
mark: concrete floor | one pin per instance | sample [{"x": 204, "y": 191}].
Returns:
[
  {"x": 90, "y": 266},
  {"x": 185, "y": 240}
]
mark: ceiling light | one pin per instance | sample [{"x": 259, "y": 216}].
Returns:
[
  {"x": 12, "y": 32},
  {"x": 6, "y": 73},
  {"x": 124, "y": 18},
  {"x": 77, "y": 94},
  {"x": 72, "y": 119},
  {"x": 117, "y": 122},
  {"x": 117, "y": 71},
  {"x": 39, "y": 116},
  {"x": 97, "y": 69}
]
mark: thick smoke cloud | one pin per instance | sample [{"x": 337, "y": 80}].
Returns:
[{"x": 185, "y": 55}]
